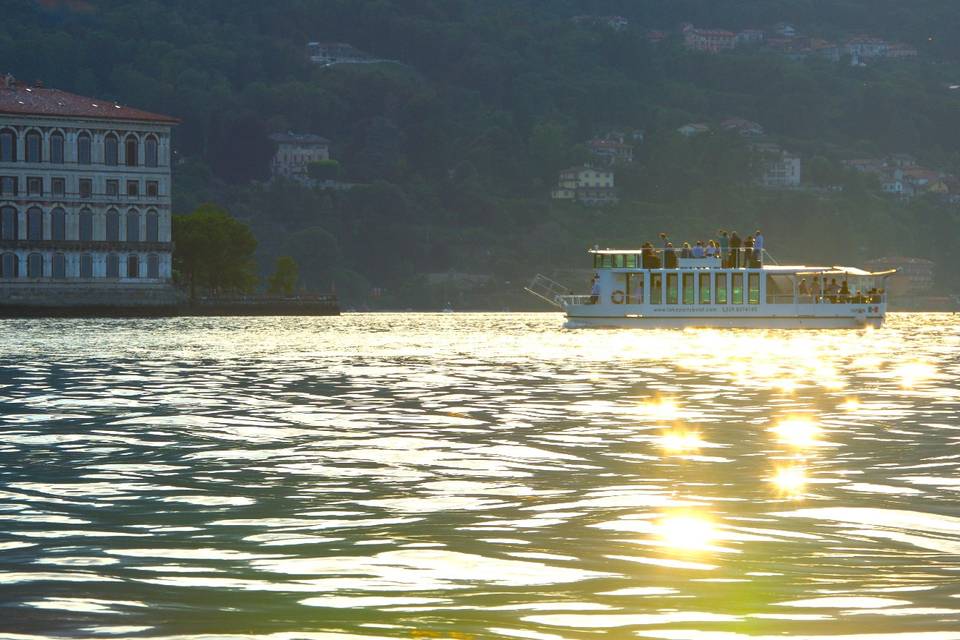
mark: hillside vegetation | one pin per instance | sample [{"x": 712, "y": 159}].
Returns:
[{"x": 458, "y": 142}]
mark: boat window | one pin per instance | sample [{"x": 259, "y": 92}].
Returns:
[
  {"x": 737, "y": 289},
  {"x": 635, "y": 288},
  {"x": 631, "y": 261},
  {"x": 753, "y": 288},
  {"x": 705, "y": 288},
  {"x": 596, "y": 261},
  {"x": 656, "y": 288},
  {"x": 619, "y": 284},
  {"x": 620, "y": 261},
  {"x": 672, "y": 288},
  {"x": 688, "y": 292},
  {"x": 779, "y": 289},
  {"x": 721, "y": 288}
]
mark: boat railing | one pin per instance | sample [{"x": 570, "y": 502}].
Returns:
[
  {"x": 575, "y": 300},
  {"x": 548, "y": 290},
  {"x": 664, "y": 258}
]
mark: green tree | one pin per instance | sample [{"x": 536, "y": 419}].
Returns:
[
  {"x": 214, "y": 251},
  {"x": 323, "y": 170},
  {"x": 284, "y": 278}
]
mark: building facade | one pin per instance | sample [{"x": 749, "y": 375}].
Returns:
[
  {"x": 586, "y": 185},
  {"x": 295, "y": 152},
  {"x": 84, "y": 196}
]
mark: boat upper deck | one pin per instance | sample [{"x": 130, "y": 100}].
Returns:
[{"x": 741, "y": 259}]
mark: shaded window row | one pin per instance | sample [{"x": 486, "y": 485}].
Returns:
[
  {"x": 10, "y": 186},
  {"x": 10, "y": 266},
  {"x": 687, "y": 288},
  {"x": 33, "y": 148},
  {"x": 10, "y": 225}
]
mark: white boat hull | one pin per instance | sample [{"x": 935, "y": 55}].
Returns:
[
  {"x": 807, "y": 316},
  {"x": 756, "y": 322}
]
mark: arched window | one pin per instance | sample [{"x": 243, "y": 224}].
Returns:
[
  {"x": 56, "y": 148},
  {"x": 59, "y": 266},
  {"x": 153, "y": 266},
  {"x": 133, "y": 266},
  {"x": 8, "y": 223},
  {"x": 151, "y": 150},
  {"x": 113, "y": 225},
  {"x": 34, "y": 147},
  {"x": 34, "y": 265},
  {"x": 86, "y": 266},
  {"x": 133, "y": 226},
  {"x": 9, "y": 266},
  {"x": 153, "y": 226},
  {"x": 111, "y": 150},
  {"x": 8, "y": 145},
  {"x": 132, "y": 148},
  {"x": 34, "y": 224},
  {"x": 58, "y": 224},
  {"x": 113, "y": 266},
  {"x": 86, "y": 225},
  {"x": 84, "y": 147}
]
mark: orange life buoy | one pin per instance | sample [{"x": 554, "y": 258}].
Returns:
[{"x": 617, "y": 297}]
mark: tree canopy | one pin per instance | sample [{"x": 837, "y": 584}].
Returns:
[{"x": 214, "y": 251}]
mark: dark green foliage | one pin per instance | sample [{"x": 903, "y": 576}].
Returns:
[
  {"x": 283, "y": 280},
  {"x": 214, "y": 251},
  {"x": 459, "y": 140}
]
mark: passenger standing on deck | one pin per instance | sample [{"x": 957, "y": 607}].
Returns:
[
  {"x": 735, "y": 244},
  {"x": 698, "y": 250},
  {"x": 724, "y": 244},
  {"x": 669, "y": 257},
  {"x": 685, "y": 251},
  {"x": 595, "y": 289},
  {"x": 832, "y": 290},
  {"x": 758, "y": 248},
  {"x": 748, "y": 252},
  {"x": 711, "y": 250},
  {"x": 816, "y": 291},
  {"x": 802, "y": 287}
]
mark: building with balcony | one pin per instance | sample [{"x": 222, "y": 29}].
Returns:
[
  {"x": 295, "y": 152},
  {"x": 84, "y": 200}
]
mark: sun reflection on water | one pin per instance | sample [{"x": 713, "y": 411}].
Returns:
[
  {"x": 680, "y": 441},
  {"x": 686, "y": 531},
  {"x": 790, "y": 481},
  {"x": 799, "y": 432}
]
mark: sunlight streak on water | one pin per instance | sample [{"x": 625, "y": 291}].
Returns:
[{"x": 477, "y": 475}]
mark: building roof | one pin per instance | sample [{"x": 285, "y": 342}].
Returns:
[
  {"x": 21, "y": 99},
  {"x": 298, "y": 138}
]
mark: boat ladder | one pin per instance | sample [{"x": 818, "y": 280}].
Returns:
[{"x": 548, "y": 290}]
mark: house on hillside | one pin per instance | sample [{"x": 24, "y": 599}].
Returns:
[
  {"x": 900, "y": 50},
  {"x": 693, "y": 129},
  {"x": 779, "y": 169},
  {"x": 743, "y": 127},
  {"x": 746, "y": 37},
  {"x": 586, "y": 185},
  {"x": 914, "y": 275},
  {"x": 608, "y": 151},
  {"x": 708, "y": 40},
  {"x": 327, "y": 53},
  {"x": 295, "y": 152}
]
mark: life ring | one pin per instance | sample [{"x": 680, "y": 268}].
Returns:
[{"x": 617, "y": 297}]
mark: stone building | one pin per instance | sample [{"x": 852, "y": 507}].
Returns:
[
  {"x": 586, "y": 185},
  {"x": 84, "y": 200},
  {"x": 295, "y": 152}
]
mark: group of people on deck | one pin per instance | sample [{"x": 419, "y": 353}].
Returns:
[
  {"x": 733, "y": 251},
  {"x": 822, "y": 291}
]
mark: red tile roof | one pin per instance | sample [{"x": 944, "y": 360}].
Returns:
[{"x": 21, "y": 99}]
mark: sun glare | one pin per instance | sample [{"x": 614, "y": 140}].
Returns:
[
  {"x": 913, "y": 373},
  {"x": 686, "y": 531},
  {"x": 851, "y": 404},
  {"x": 662, "y": 409},
  {"x": 790, "y": 481},
  {"x": 679, "y": 441},
  {"x": 799, "y": 432}
]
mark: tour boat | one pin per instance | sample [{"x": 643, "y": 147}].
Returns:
[{"x": 634, "y": 290}]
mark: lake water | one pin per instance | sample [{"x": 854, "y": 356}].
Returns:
[{"x": 477, "y": 476}]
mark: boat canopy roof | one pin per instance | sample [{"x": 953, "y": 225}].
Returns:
[{"x": 799, "y": 270}]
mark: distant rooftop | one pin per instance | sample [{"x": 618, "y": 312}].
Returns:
[
  {"x": 298, "y": 138},
  {"x": 23, "y": 99}
]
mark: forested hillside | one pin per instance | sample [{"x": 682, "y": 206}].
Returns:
[{"x": 456, "y": 143}]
